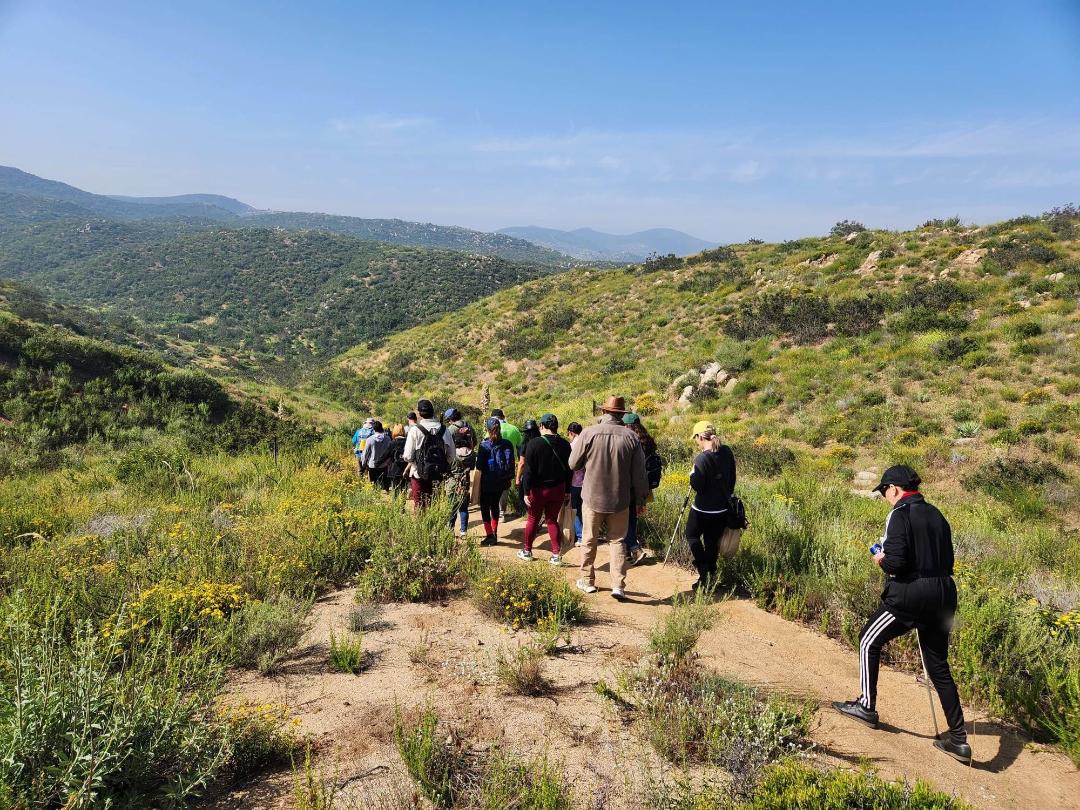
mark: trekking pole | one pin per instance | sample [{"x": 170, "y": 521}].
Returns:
[
  {"x": 929, "y": 697},
  {"x": 686, "y": 500}
]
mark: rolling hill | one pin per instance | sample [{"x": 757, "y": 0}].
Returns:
[
  {"x": 589, "y": 245},
  {"x": 26, "y": 199},
  {"x": 251, "y": 299}
]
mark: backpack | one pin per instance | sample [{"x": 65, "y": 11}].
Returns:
[
  {"x": 384, "y": 450},
  {"x": 429, "y": 460},
  {"x": 463, "y": 435},
  {"x": 396, "y": 466},
  {"x": 502, "y": 465},
  {"x": 736, "y": 513},
  {"x": 654, "y": 469}
]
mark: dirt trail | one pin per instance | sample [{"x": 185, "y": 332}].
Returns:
[{"x": 443, "y": 655}]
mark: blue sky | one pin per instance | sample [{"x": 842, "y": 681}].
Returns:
[{"x": 727, "y": 120}]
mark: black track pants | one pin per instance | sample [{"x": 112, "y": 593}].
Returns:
[
  {"x": 882, "y": 628},
  {"x": 703, "y": 533}
]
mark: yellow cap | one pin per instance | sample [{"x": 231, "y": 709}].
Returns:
[{"x": 701, "y": 428}]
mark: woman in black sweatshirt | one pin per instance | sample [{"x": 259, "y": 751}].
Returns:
[{"x": 713, "y": 482}]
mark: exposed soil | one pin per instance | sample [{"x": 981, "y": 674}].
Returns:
[{"x": 443, "y": 655}]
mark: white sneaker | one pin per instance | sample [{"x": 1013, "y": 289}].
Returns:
[
  {"x": 502, "y": 517},
  {"x": 584, "y": 586},
  {"x": 462, "y": 535},
  {"x": 618, "y": 593},
  {"x": 555, "y": 560},
  {"x": 525, "y": 555}
]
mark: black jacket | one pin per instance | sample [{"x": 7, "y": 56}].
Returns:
[
  {"x": 713, "y": 479},
  {"x": 547, "y": 463},
  {"x": 918, "y": 561}
]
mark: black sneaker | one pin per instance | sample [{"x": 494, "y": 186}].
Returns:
[
  {"x": 490, "y": 540},
  {"x": 856, "y": 711},
  {"x": 961, "y": 752}
]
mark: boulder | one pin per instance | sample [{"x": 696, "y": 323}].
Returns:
[
  {"x": 970, "y": 257},
  {"x": 869, "y": 264},
  {"x": 729, "y": 386},
  {"x": 684, "y": 398},
  {"x": 1055, "y": 277},
  {"x": 710, "y": 372},
  {"x": 821, "y": 261},
  {"x": 722, "y": 377}
]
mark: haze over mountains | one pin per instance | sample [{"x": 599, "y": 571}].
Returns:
[{"x": 589, "y": 245}]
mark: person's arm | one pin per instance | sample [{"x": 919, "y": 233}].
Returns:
[
  {"x": 565, "y": 458},
  {"x": 448, "y": 447},
  {"x": 577, "y": 453},
  {"x": 894, "y": 557},
  {"x": 731, "y": 466},
  {"x": 366, "y": 456},
  {"x": 639, "y": 481},
  {"x": 410, "y": 445},
  {"x": 697, "y": 474}
]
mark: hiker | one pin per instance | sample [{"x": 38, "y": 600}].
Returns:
[
  {"x": 464, "y": 464},
  {"x": 429, "y": 452},
  {"x": 573, "y": 430},
  {"x": 529, "y": 431},
  {"x": 512, "y": 435},
  {"x": 614, "y": 465},
  {"x": 359, "y": 441},
  {"x": 916, "y": 554},
  {"x": 410, "y": 422},
  {"x": 396, "y": 467},
  {"x": 495, "y": 460},
  {"x": 545, "y": 481},
  {"x": 653, "y": 470},
  {"x": 376, "y": 457},
  {"x": 457, "y": 424},
  {"x": 713, "y": 481}
]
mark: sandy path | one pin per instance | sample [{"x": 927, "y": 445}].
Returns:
[
  {"x": 764, "y": 649},
  {"x": 351, "y": 717}
]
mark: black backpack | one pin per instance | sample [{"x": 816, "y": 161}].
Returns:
[
  {"x": 654, "y": 469},
  {"x": 429, "y": 460},
  {"x": 396, "y": 466},
  {"x": 736, "y": 513}
]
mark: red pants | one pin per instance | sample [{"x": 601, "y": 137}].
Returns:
[
  {"x": 544, "y": 502},
  {"x": 420, "y": 492}
]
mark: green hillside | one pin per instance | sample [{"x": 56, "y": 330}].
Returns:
[{"x": 256, "y": 297}]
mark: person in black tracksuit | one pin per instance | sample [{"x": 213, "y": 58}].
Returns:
[
  {"x": 917, "y": 557},
  {"x": 713, "y": 482}
]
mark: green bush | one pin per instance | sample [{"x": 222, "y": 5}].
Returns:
[
  {"x": 511, "y": 783},
  {"x": 263, "y": 632},
  {"x": 436, "y": 760},
  {"x": 347, "y": 653},
  {"x": 675, "y": 635},
  {"x": 523, "y": 595}
]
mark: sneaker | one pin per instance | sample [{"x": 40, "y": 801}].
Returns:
[
  {"x": 525, "y": 555},
  {"x": 555, "y": 560},
  {"x": 578, "y": 543},
  {"x": 462, "y": 535},
  {"x": 856, "y": 711},
  {"x": 584, "y": 586},
  {"x": 490, "y": 540},
  {"x": 961, "y": 752},
  {"x": 618, "y": 594},
  {"x": 502, "y": 517}
]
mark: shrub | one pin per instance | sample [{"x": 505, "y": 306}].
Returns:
[
  {"x": 261, "y": 737},
  {"x": 347, "y": 654},
  {"x": 846, "y": 227},
  {"x": 522, "y": 595},
  {"x": 263, "y": 632},
  {"x": 511, "y": 783},
  {"x": 675, "y": 635},
  {"x": 521, "y": 670},
  {"x": 954, "y": 348},
  {"x": 417, "y": 558},
  {"x": 437, "y": 761},
  {"x": 83, "y": 721},
  {"x": 763, "y": 457}
]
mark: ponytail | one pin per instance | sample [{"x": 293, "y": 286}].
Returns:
[{"x": 714, "y": 440}]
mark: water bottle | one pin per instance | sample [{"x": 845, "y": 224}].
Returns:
[{"x": 875, "y": 549}]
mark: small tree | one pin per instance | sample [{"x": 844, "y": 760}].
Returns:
[{"x": 846, "y": 227}]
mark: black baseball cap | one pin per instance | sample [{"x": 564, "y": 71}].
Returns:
[
  {"x": 900, "y": 475},
  {"x": 550, "y": 421}
]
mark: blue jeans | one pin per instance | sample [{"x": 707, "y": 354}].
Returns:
[{"x": 575, "y": 502}]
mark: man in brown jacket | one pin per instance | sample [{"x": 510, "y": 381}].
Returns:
[{"x": 614, "y": 464}]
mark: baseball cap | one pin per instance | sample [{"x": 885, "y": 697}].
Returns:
[
  {"x": 492, "y": 421},
  {"x": 701, "y": 428},
  {"x": 498, "y": 412},
  {"x": 630, "y": 418},
  {"x": 900, "y": 475},
  {"x": 530, "y": 424},
  {"x": 550, "y": 421},
  {"x": 450, "y": 413}
]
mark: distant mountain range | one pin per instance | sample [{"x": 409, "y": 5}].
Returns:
[
  {"x": 589, "y": 245},
  {"x": 26, "y": 198}
]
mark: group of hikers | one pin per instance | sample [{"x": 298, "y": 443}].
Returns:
[{"x": 598, "y": 481}]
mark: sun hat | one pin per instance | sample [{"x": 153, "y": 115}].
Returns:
[
  {"x": 629, "y": 418},
  {"x": 900, "y": 475},
  {"x": 614, "y": 404},
  {"x": 702, "y": 428}
]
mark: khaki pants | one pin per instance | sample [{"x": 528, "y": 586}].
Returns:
[{"x": 593, "y": 523}]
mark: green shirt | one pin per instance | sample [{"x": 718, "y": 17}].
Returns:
[{"x": 513, "y": 435}]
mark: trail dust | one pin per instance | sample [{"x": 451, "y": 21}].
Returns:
[{"x": 442, "y": 655}]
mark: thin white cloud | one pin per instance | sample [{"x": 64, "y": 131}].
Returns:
[{"x": 380, "y": 123}]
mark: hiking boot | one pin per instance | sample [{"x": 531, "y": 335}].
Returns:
[
  {"x": 555, "y": 560},
  {"x": 618, "y": 594},
  {"x": 585, "y": 587},
  {"x": 489, "y": 540},
  {"x": 525, "y": 555},
  {"x": 960, "y": 751},
  {"x": 856, "y": 711}
]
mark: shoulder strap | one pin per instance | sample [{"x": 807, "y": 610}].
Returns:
[{"x": 555, "y": 453}]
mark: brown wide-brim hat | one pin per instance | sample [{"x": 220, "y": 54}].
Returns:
[{"x": 614, "y": 405}]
